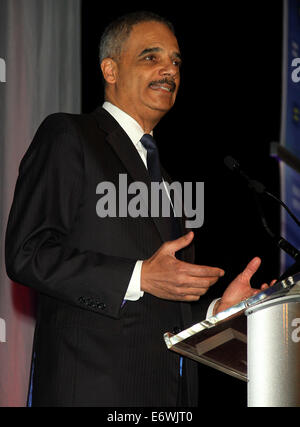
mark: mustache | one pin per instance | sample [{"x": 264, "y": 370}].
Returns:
[{"x": 167, "y": 81}]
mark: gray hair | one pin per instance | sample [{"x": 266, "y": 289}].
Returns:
[{"x": 118, "y": 31}]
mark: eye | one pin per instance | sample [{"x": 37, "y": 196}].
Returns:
[
  {"x": 177, "y": 63},
  {"x": 150, "y": 58}
]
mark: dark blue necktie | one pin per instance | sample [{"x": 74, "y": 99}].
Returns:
[{"x": 153, "y": 164}]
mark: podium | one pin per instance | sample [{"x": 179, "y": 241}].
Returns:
[{"x": 257, "y": 341}]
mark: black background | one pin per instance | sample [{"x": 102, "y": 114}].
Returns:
[{"x": 229, "y": 102}]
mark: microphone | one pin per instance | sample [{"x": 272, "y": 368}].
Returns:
[
  {"x": 234, "y": 166},
  {"x": 258, "y": 188}
]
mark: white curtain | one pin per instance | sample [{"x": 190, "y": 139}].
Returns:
[{"x": 41, "y": 60}]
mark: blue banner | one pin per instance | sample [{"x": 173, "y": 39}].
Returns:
[{"x": 290, "y": 130}]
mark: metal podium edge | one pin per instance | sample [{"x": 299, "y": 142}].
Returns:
[{"x": 278, "y": 289}]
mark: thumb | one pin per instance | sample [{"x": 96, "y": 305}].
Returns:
[
  {"x": 252, "y": 268},
  {"x": 182, "y": 242}
]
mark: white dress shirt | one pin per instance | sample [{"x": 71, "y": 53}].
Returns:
[{"x": 135, "y": 133}]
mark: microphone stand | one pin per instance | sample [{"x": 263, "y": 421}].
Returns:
[
  {"x": 282, "y": 243},
  {"x": 259, "y": 189}
]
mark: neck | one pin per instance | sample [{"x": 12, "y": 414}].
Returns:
[{"x": 146, "y": 121}]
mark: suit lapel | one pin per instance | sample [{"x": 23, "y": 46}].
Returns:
[{"x": 127, "y": 153}]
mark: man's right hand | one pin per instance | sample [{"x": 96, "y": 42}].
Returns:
[{"x": 164, "y": 276}]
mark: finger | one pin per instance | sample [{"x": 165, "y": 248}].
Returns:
[
  {"x": 191, "y": 298},
  {"x": 180, "y": 243},
  {"x": 252, "y": 268},
  {"x": 266, "y": 286},
  {"x": 200, "y": 270},
  {"x": 189, "y": 282},
  {"x": 191, "y": 293}
]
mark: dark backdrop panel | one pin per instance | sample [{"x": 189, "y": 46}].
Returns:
[{"x": 229, "y": 103}]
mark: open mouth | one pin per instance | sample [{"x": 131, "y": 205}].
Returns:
[{"x": 165, "y": 85}]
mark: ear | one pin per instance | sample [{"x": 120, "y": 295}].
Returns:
[{"x": 109, "y": 70}]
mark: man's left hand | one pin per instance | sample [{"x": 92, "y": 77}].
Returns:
[{"x": 240, "y": 288}]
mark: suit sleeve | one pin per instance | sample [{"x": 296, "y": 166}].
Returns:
[{"x": 47, "y": 199}]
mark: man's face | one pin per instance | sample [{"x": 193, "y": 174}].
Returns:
[{"x": 147, "y": 73}]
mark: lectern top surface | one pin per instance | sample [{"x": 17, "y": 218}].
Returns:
[
  {"x": 221, "y": 340},
  {"x": 279, "y": 289}
]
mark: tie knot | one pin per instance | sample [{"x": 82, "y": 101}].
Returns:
[{"x": 148, "y": 142}]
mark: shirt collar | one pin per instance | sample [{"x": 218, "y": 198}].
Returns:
[{"x": 129, "y": 124}]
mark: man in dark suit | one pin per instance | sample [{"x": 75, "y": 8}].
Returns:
[{"x": 109, "y": 287}]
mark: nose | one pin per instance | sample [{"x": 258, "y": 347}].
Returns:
[{"x": 169, "y": 68}]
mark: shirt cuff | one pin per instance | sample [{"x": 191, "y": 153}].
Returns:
[
  {"x": 134, "y": 292},
  {"x": 211, "y": 308}
]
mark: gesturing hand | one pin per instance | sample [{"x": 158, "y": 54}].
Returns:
[
  {"x": 240, "y": 288},
  {"x": 164, "y": 276}
]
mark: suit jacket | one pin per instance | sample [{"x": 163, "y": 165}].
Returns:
[{"x": 89, "y": 349}]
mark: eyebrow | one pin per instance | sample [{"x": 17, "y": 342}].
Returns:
[{"x": 155, "y": 50}]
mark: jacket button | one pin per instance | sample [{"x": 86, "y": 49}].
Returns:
[{"x": 102, "y": 306}]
